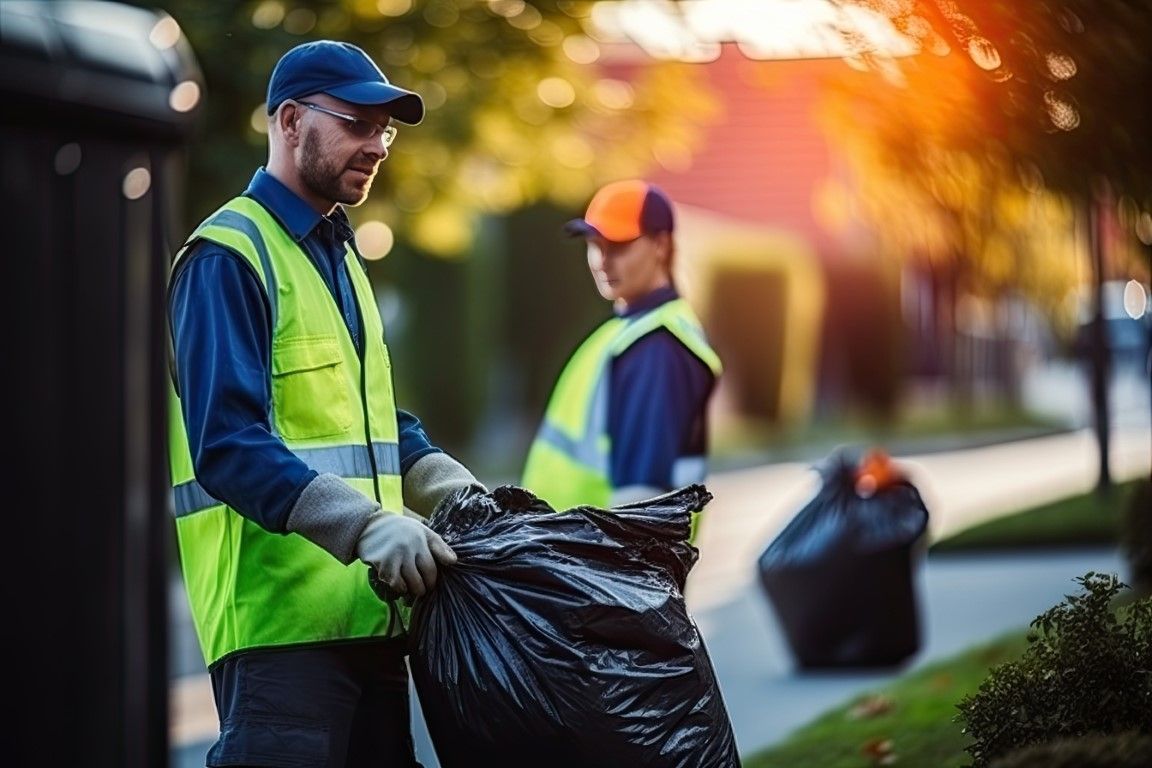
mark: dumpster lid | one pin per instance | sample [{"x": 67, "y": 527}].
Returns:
[{"x": 123, "y": 62}]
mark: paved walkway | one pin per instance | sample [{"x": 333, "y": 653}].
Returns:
[{"x": 964, "y": 599}]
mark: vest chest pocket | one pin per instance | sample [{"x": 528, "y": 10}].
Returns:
[{"x": 310, "y": 388}]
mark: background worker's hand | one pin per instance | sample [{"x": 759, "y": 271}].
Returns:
[{"x": 405, "y": 553}]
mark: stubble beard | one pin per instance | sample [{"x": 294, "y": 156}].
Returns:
[{"x": 323, "y": 176}]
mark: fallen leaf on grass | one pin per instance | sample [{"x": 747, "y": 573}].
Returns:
[{"x": 872, "y": 705}]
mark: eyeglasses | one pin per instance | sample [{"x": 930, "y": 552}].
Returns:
[{"x": 361, "y": 129}]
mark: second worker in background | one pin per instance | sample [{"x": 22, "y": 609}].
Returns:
[{"x": 627, "y": 418}]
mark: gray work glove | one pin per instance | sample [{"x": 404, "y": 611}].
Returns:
[
  {"x": 404, "y": 552},
  {"x": 433, "y": 479},
  {"x": 332, "y": 515}
]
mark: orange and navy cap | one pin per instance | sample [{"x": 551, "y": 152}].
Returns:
[{"x": 624, "y": 210}]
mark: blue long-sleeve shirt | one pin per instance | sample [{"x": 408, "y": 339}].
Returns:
[
  {"x": 655, "y": 419},
  {"x": 221, "y": 335}
]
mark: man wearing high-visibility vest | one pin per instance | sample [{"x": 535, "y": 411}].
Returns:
[
  {"x": 627, "y": 418},
  {"x": 291, "y": 464}
]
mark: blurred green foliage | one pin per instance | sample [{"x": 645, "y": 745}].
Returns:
[
  {"x": 516, "y": 111},
  {"x": 1087, "y": 670},
  {"x": 1114, "y": 750}
]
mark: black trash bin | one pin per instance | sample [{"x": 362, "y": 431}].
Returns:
[
  {"x": 840, "y": 576},
  {"x": 100, "y": 101}
]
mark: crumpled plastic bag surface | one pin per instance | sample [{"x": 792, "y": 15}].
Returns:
[
  {"x": 840, "y": 574},
  {"x": 563, "y": 638}
]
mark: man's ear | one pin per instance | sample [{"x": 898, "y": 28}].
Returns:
[
  {"x": 288, "y": 121},
  {"x": 664, "y": 239}
]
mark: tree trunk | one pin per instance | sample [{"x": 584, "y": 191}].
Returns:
[{"x": 1098, "y": 352}]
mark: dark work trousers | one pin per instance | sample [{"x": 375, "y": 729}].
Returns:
[{"x": 337, "y": 705}]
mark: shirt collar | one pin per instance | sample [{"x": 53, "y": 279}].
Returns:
[
  {"x": 295, "y": 215},
  {"x": 650, "y": 301}
]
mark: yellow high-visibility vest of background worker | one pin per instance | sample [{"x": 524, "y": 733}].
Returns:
[{"x": 627, "y": 419}]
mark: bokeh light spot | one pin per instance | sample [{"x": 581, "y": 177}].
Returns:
[
  {"x": 165, "y": 34},
  {"x": 393, "y": 7},
  {"x": 1062, "y": 114},
  {"x": 375, "y": 240},
  {"x": 1061, "y": 66},
  {"x": 983, "y": 53},
  {"x": 267, "y": 15},
  {"x": 136, "y": 184},
  {"x": 614, "y": 94},
  {"x": 580, "y": 49},
  {"x": 259, "y": 119},
  {"x": 300, "y": 21},
  {"x": 573, "y": 152},
  {"x": 556, "y": 92},
  {"x": 1135, "y": 299},
  {"x": 506, "y": 8},
  {"x": 441, "y": 14},
  {"x": 67, "y": 159},
  {"x": 1144, "y": 228},
  {"x": 185, "y": 96}
]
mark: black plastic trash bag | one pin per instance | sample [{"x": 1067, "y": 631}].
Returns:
[
  {"x": 563, "y": 639},
  {"x": 840, "y": 575}
]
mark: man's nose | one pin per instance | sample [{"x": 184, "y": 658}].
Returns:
[{"x": 375, "y": 148}]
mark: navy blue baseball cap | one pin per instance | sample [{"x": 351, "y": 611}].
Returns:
[{"x": 341, "y": 70}]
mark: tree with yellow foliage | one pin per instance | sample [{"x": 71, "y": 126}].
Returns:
[
  {"x": 1050, "y": 96},
  {"x": 515, "y": 113}
]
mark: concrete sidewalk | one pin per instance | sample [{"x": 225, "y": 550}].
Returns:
[{"x": 964, "y": 600}]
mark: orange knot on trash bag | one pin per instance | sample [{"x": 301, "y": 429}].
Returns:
[{"x": 875, "y": 472}]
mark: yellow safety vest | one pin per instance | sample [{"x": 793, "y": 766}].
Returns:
[
  {"x": 248, "y": 587},
  {"x": 568, "y": 462}
]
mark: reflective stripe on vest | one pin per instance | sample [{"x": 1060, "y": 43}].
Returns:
[
  {"x": 347, "y": 461},
  {"x": 226, "y": 220},
  {"x": 248, "y": 587},
  {"x": 567, "y": 463}
]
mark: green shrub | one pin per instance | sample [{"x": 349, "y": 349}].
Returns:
[
  {"x": 1115, "y": 750},
  {"x": 1136, "y": 536},
  {"x": 1087, "y": 669}
]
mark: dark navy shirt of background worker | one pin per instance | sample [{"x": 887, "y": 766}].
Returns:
[
  {"x": 232, "y": 303},
  {"x": 643, "y": 459}
]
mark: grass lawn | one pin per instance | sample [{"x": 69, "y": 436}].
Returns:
[
  {"x": 910, "y": 719},
  {"x": 1078, "y": 521}
]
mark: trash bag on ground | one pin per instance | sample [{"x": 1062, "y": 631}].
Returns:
[
  {"x": 840, "y": 576},
  {"x": 563, "y": 639}
]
